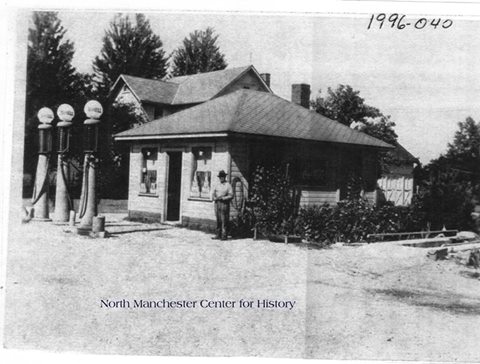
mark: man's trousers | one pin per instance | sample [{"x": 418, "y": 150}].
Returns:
[{"x": 222, "y": 212}]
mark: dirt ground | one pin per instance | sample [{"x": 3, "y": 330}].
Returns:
[{"x": 379, "y": 301}]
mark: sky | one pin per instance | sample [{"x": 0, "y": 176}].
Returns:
[{"x": 427, "y": 80}]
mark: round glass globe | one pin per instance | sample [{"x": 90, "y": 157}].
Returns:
[
  {"x": 65, "y": 112},
  {"x": 93, "y": 109},
  {"x": 45, "y": 115}
]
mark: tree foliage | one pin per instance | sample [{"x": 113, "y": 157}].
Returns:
[
  {"x": 274, "y": 209},
  {"x": 51, "y": 79},
  {"x": 198, "y": 53},
  {"x": 274, "y": 200},
  {"x": 50, "y": 74},
  {"x": 449, "y": 186},
  {"x": 129, "y": 48},
  {"x": 464, "y": 151},
  {"x": 345, "y": 105}
]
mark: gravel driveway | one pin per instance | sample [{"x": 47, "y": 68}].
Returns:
[{"x": 370, "y": 302}]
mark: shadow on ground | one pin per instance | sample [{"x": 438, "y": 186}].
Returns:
[{"x": 445, "y": 302}]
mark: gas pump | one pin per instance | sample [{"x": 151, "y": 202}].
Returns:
[
  {"x": 88, "y": 200},
  {"x": 40, "y": 190},
  {"x": 63, "y": 202}
]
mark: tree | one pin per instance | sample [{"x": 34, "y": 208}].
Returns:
[
  {"x": 450, "y": 184},
  {"x": 114, "y": 157},
  {"x": 50, "y": 73},
  {"x": 345, "y": 105},
  {"x": 461, "y": 162},
  {"x": 51, "y": 79},
  {"x": 465, "y": 148},
  {"x": 199, "y": 53},
  {"x": 446, "y": 197},
  {"x": 128, "y": 48}
]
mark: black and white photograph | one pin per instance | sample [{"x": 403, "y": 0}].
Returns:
[{"x": 199, "y": 183}]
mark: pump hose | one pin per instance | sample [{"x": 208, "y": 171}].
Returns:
[
  {"x": 84, "y": 197},
  {"x": 36, "y": 197},
  {"x": 70, "y": 203}
]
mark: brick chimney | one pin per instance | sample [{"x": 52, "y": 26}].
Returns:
[
  {"x": 266, "y": 78},
  {"x": 301, "y": 94}
]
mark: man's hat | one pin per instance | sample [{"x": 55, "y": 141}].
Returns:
[{"x": 222, "y": 173}]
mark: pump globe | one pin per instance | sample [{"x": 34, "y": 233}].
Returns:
[
  {"x": 93, "y": 109},
  {"x": 45, "y": 115},
  {"x": 65, "y": 112}
]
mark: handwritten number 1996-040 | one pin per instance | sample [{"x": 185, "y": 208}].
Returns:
[{"x": 398, "y": 21}]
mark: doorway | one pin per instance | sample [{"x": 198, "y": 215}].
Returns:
[{"x": 174, "y": 186}]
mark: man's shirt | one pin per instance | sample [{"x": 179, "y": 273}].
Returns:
[{"x": 223, "y": 190}]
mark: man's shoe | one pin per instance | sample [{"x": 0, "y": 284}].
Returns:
[
  {"x": 216, "y": 238},
  {"x": 224, "y": 238}
]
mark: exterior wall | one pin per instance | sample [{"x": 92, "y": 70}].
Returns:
[
  {"x": 398, "y": 185},
  {"x": 318, "y": 197},
  {"x": 125, "y": 96},
  {"x": 339, "y": 161},
  {"x": 311, "y": 195},
  {"x": 149, "y": 110},
  {"x": 194, "y": 212},
  {"x": 239, "y": 173},
  {"x": 237, "y": 159},
  {"x": 156, "y": 111},
  {"x": 371, "y": 196},
  {"x": 151, "y": 205}
]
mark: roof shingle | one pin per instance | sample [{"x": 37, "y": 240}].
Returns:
[
  {"x": 182, "y": 90},
  {"x": 253, "y": 112},
  {"x": 155, "y": 91}
]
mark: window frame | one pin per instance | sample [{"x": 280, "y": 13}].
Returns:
[
  {"x": 307, "y": 164},
  {"x": 144, "y": 171},
  {"x": 194, "y": 170}
]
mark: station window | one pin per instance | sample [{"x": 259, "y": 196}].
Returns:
[
  {"x": 148, "y": 181},
  {"x": 311, "y": 172},
  {"x": 315, "y": 173},
  {"x": 202, "y": 172}
]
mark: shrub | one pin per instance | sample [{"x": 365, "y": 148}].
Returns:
[
  {"x": 274, "y": 210},
  {"x": 273, "y": 201},
  {"x": 242, "y": 225},
  {"x": 447, "y": 204},
  {"x": 352, "y": 220},
  {"x": 315, "y": 224}
]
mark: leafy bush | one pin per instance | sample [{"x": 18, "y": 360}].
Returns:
[
  {"x": 273, "y": 200},
  {"x": 242, "y": 225},
  {"x": 352, "y": 220},
  {"x": 274, "y": 210},
  {"x": 315, "y": 224},
  {"x": 448, "y": 204}
]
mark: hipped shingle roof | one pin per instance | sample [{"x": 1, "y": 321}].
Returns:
[{"x": 253, "y": 113}]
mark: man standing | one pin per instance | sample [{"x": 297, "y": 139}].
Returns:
[{"x": 222, "y": 195}]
